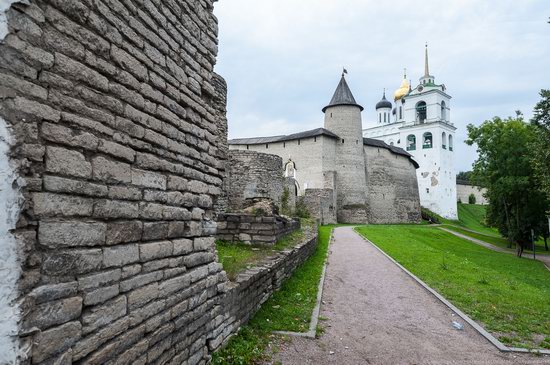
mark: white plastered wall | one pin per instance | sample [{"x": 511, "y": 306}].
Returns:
[{"x": 10, "y": 199}]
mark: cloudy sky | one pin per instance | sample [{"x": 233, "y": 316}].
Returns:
[{"x": 282, "y": 59}]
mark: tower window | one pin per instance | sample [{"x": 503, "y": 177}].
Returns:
[
  {"x": 246, "y": 146},
  {"x": 298, "y": 142},
  {"x": 314, "y": 139},
  {"x": 342, "y": 140},
  {"x": 421, "y": 112},
  {"x": 379, "y": 118},
  {"x": 444, "y": 140},
  {"x": 266, "y": 146},
  {"x": 428, "y": 190},
  {"x": 427, "y": 140},
  {"x": 400, "y": 112},
  {"x": 411, "y": 142},
  {"x": 443, "y": 111},
  {"x": 450, "y": 142},
  {"x": 284, "y": 144}
]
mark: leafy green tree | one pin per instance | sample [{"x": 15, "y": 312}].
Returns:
[
  {"x": 504, "y": 166},
  {"x": 463, "y": 176},
  {"x": 541, "y": 143}
]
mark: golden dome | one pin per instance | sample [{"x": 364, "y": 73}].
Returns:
[{"x": 403, "y": 89}]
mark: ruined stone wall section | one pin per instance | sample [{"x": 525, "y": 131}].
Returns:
[
  {"x": 114, "y": 114},
  {"x": 253, "y": 174},
  {"x": 392, "y": 187},
  {"x": 251, "y": 229}
]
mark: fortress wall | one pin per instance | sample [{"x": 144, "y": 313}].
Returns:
[
  {"x": 463, "y": 192},
  {"x": 113, "y": 135},
  {"x": 253, "y": 174},
  {"x": 392, "y": 187},
  {"x": 308, "y": 155}
]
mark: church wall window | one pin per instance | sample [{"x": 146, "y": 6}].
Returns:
[
  {"x": 411, "y": 142},
  {"x": 421, "y": 112},
  {"x": 444, "y": 140},
  {"x": 400, "y": 112},
  {"x": 384, "y": 117},
  {"x": 266, "y": 146},
  {"x": 379, "y": 118},
  {"x": 427, "y": 140},
  {"x": 247, "y": 146},
  {"x": 443, "y": 111},
  {"x": 342, "y": 140},
  {"x": 450, "y": 142},
  {"x": 298, "y": 142}
]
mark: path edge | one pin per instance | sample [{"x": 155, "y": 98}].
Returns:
[
  {"x": 482, "y": 331},
  {"x": 317, "y": 309}
]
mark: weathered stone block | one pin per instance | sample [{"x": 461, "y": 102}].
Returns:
[
  {"x": 63, "y": 135},
  {"x": 111, "y": 171},
  {"x": 104, "y": 314},
  {"x": 182, "y": 246},
  {"x": 120, "y": 255},
  {"x": 177, "y": 183},
  {"x": 116, "y": 209},
  {"x": 55, "y": 340},
  {"x": 63, "y": 185},
  {"x": 203, "y": 243},
  {"x": 67, "y": 162},
  {"x": 72, "y": 262},
  {"x": 124, "y": 193},
  {"x": 53, "y": 313},
  {"x": 148, "y": 179},
  {"x": 117, "y": 150},
  {"x": 155, "y": 231},
  {"x": 51, "y": 205},
  {"x": 48, "y": 293},
  {"x": 140, "y": 280},
  {"x": 71, "y": 234},
  {"x": 131, "y": 270},
  {"x": 155, "y": 250},
  {"x": 98, "y": 279},
  {"x": 101, "y": 295},
  {"x": 123, "y": 232},
  {"x": 141, "y": 296}
]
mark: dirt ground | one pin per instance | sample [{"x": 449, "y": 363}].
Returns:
[{"x": 377, "y": 314}]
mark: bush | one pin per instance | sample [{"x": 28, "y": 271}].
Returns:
[
  {"x": 285, "y": 209},
  {"x": 471, "y": 199},
  {"x": 459, "y": 201},
  {"x": 429, "y": 216},
  {"x": 301, "y": 209}
]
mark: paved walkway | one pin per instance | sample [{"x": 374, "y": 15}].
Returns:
[
  {"x": 377, "y": 314},
  {"x": 545, "y": 259}
]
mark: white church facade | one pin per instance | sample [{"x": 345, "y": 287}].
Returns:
[{"x": 420, "y": 123}]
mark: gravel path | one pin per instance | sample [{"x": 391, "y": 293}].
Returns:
[{"x": 377, "y": 314}]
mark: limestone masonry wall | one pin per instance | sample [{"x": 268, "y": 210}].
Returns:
[
  {"x": 254, "y": 286},
  {"x": 463, "y": 191},
  {"x": 115, "y": 122},
  {"x": 392, "y": 187},
  {"x": 253, "y": 174},
  {"x": 253, "y": 229}
]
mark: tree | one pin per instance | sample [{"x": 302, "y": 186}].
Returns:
[
  {"x": 504, "y": 166},
  {"x": 471, "y": 199},
  {"x": 541, "y": 143},
  {"x": 463, "y": 176}
]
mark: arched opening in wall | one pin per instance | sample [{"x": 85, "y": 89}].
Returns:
[
  {"x": 385, "y": 118},
  {"x": 400, "y": 112},
  {"x": 444, "y": 140},
  {"x": 443, "y": 111},
  {"x": 379, "y": 118},
  {"x": 450, "y": 142},
  {"x": 427, "y": 140},
  {"x": 290, "y": 169},
  {"x": 411, "y": 142},
  {"x": 421, "y": 112}
]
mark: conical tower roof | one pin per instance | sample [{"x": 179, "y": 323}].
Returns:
[{"x": 342, "y": 96}]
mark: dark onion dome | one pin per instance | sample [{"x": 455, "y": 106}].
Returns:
[
  {"x": 384, "y": 103},
  {"x": 342, "y": 96}
]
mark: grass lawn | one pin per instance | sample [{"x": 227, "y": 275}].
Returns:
[
  {"x": 472, "y": 216},
  {"x": 288, "y": 309},
  {"x": 508, "y": 295},
  {"x": 236, "y": 257},
  {"x": 497, "y": 241}
]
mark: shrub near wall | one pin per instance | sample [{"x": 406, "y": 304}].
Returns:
[{"x": 114, "y": 117}]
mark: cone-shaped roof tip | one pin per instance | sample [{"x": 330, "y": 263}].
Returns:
[{"x": 342, "y": 96}]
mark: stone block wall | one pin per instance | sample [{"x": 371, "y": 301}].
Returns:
[
  {"x": 251, "y": 175},
  {"x": 392, "y": 187},
  {"x": 251, "y": 229},
  {"x": 321, "y": 204},
  {"x": 463, "y": 191},
  {"x": 113, "y": 139},
  {"x": 254, "y": 286}
]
